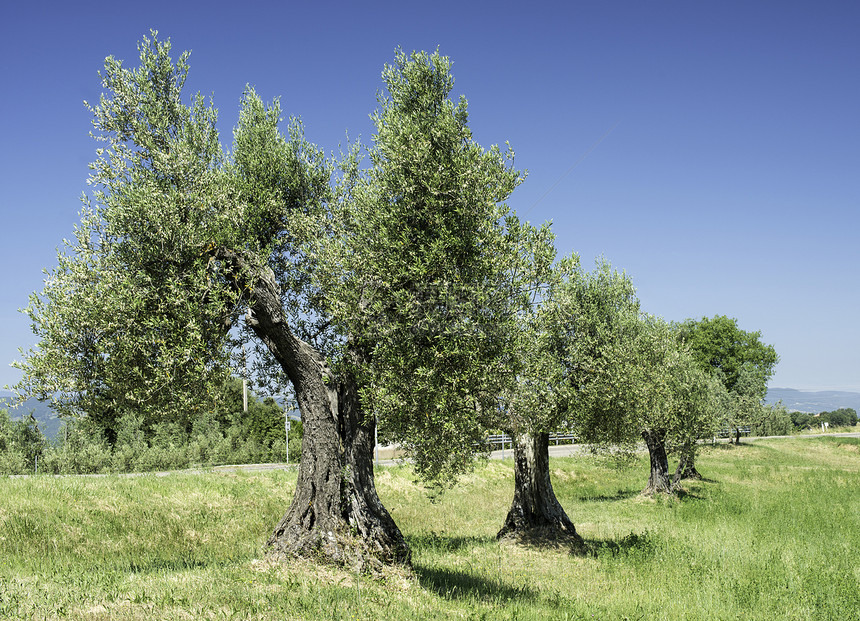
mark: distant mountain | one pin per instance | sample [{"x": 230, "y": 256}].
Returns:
[
  {"x": 814, "y": 402},
  {"x": 47, "y": 420}
]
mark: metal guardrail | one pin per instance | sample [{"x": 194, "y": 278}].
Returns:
[
  {"x": 729, "y": 432},
  {"x": 504, "y": 440}
]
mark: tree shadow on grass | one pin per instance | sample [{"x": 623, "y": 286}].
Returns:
[
  {"x": 638, "y": 545},
  {"x": 155, "y": 565},
  {"x": 619, "y": 495},
  {"x": 684, "y": 494},
  {"x": 453, "y": 584},
  {"x": 443, "y": 542},
  {"x": 702, "y": 479},
  {"x": 726, "y": 446}
]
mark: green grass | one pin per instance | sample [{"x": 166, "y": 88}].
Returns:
[{"x": 772, "y": 532}]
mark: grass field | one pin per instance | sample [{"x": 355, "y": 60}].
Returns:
[{"x": 772, "y": 533}]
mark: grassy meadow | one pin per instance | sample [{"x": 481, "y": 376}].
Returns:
[{"x": 773, "y": 532}]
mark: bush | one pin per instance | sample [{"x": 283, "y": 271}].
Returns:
[
  {"x": 802, "y": 420},
  {"x": 843, "y": 417}
]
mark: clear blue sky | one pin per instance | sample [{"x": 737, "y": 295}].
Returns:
[{"x": 729, "y": 185}]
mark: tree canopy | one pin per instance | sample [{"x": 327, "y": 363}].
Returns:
[
  {"x": 739, "y": 358},
  {"x": 375, "y": 292}
]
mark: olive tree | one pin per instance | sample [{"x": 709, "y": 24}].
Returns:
[
  {"x": 678, "y": 403},
  {"x": 574, "y": 344},
  {"x": 363, "y": 288},
  {"x": 701, "y": 403}
]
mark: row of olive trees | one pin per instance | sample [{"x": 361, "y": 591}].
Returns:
[
  {"x": 396, "y": 290},
  {"x": 595, "y": 364}
]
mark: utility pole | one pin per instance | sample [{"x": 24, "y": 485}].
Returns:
[
  {"x": 245, "y": 393},
  {"x": 287, "y": 427},
  {"x": 245, "y": 364}
]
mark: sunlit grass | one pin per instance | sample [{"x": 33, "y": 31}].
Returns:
[{"x": 772, "y": 532}]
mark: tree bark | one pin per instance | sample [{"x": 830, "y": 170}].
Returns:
[
  {"x": 535, "y": 512},
  {"x": 658, "y": 482},
  {"x": 686, "y": 468},
  {"x": 336, "y": 513}
]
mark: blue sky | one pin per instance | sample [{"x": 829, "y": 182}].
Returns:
[{"x": 728, "y": 182}]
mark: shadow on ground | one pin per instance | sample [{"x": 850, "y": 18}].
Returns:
[
  {"x": 454, "y": 584},
  {"x": 619, "y": 495},
  {"x": 639, "y": 545},
  {"x": 443, "y": 542}
]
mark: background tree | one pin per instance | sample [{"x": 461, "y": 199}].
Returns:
[
  {"x": 738, "y": 358},
  {"x": 842, "y": 417},
  {"x": 653, "y": 415},
  {"x": 719, "y": 344},
  {"x": 574, "y": 342},
  {"x": 676, "y": 402},
  {"x": 701, "y": 404},
  {"x": 21, "y": 444},
  {"x": 802, "y": 420},
  {"x": 178, "y": 241},
  {"x": 770, "y": 420}
]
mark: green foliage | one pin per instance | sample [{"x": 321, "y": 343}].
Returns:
[
  {"x": 596, "y": 339},
  {"x": 396, "y": 274},
  {"x": 676, "y": 395},
  {"x": 843, "y": 417},
  {"x": 21, "y": 444},
  {"x": 741, "y": 362},
  {"x": 574, "y": 348},
  {"x": 802, "y": 420},
  {"x": 770, "y": 420},
  {"x": 592, "y": 362},
  {"x": 739, "y": 358},
  {"x": 134, "y": 316},
  {"x": 416, "y": 266},
  {"x": 83, "y": 446}
]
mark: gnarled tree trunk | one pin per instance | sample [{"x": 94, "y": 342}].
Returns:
[
  {"x": 535, "y": 511},
  {"x": 658, "y": 481},
  {"x": 336, "y": 513}
]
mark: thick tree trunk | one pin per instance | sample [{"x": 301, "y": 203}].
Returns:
[
  {"x": 658, "y": 482},
  {"x": 336, "y": 513},
  {"x": 535, "y": 512}
]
